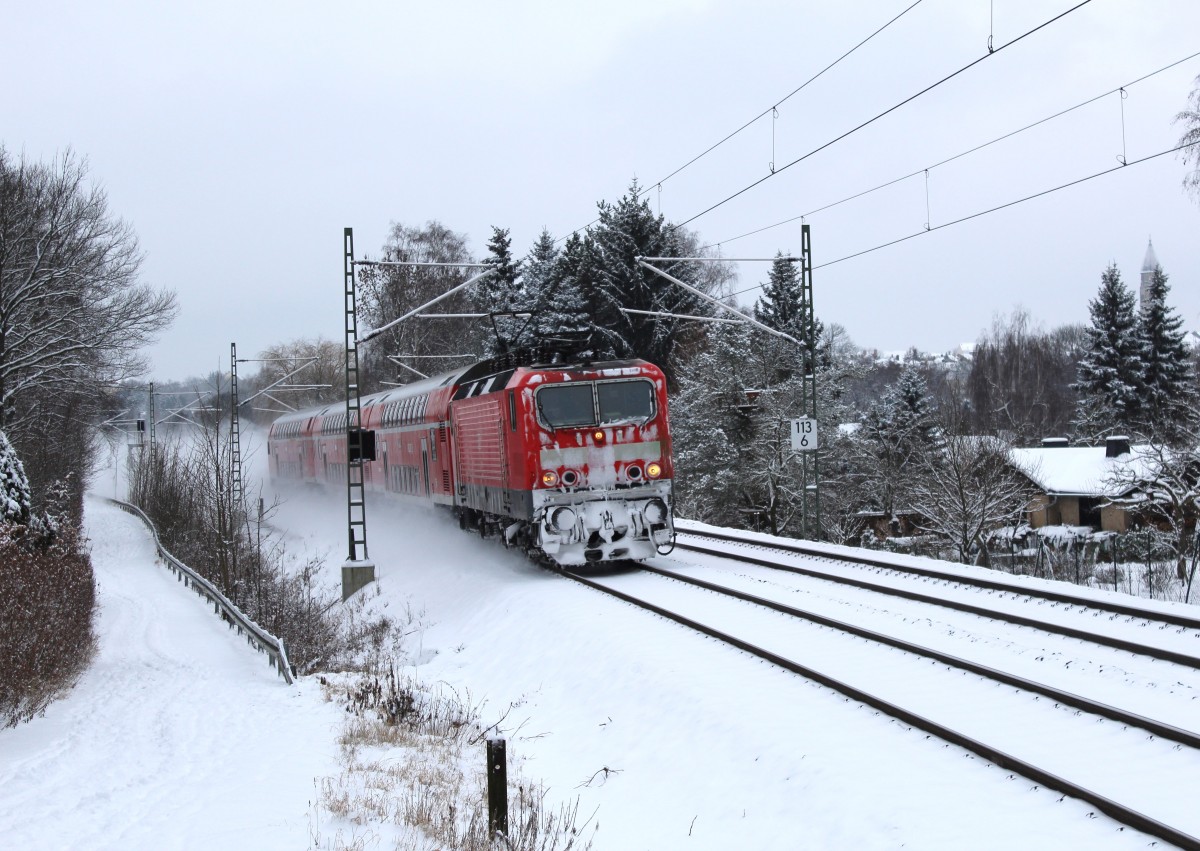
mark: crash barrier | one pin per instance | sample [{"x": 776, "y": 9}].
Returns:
[{"x": 258, "y": 637}]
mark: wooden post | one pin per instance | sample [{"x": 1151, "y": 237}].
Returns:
[{"x": 497, "y": 781}]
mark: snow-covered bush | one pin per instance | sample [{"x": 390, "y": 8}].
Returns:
[
  {"x": 15, "y": 502},
  {"x": 47, "y": 598},
  {"x": 182, "y": 488}
]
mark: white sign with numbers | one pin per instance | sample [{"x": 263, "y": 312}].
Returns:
[{"x": 804, "y": 434}]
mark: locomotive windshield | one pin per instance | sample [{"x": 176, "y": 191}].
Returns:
[
  {"x": 625, "y": 400},
  {"x": 581, "y": 405},
  {"x": 566, "y": 405}
]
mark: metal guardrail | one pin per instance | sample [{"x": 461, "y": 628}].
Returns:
[{"x": 258, "y": 637}]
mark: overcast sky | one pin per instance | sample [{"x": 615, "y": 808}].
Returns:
[{"x": 239, "y": 138}]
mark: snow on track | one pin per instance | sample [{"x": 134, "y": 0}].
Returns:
[
  {"x": 1163, "y": 690},
  {"x": 705, "y": 746},
  {"x": 179, "y": 736}
]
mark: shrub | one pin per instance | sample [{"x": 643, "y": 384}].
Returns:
[{"x": 47, "y": 599}]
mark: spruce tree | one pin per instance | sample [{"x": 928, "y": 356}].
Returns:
[
  {"x": 626, "y": 230},
  {"x": 781, "y": 306},
  {"x": 571, "y": 310},
  {"x": 1167, "y": 376},
  {"x": 711, "y": 428},
  {"x": 896, "y": 430},
  {"x": 1110, "y": 372},
  {"x": 501, "y": 292},
  {"x": 15, "y": 501}
]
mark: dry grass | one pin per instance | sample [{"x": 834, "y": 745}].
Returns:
[{"x": 412, "y": 778}]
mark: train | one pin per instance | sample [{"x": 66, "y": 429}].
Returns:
[{"x": 569, "y": 461}]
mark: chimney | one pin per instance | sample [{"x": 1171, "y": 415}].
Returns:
[
  {"x": 1116, "y": 446},
  {"x": 1055, "y": 442}
]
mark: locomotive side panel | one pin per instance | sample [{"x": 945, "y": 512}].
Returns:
[{"x": 481, "y": 442}]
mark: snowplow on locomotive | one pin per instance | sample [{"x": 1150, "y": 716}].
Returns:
[{"x": 571, "y": 462}]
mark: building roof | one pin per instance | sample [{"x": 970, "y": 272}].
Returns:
[{"x": 1075, "y": 470}]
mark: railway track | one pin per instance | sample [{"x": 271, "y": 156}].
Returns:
[
  {"x": 1183, "y": 754},
  {"x": 1180, "y": 623}
]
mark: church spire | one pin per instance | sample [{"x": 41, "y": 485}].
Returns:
[{"x": 1148, "y": 267}]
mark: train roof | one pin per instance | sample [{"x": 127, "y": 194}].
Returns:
[{"x": 481, "y": 369}]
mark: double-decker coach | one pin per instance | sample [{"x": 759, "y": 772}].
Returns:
[{"x": 569, "y": 461}]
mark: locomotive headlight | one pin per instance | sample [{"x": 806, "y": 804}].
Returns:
[
  {"x": 654, "y": 469},
  {"x": 598, "y": 436},
  {"x": 549, "y": 478},
  {"x": 655, "y": 511}
]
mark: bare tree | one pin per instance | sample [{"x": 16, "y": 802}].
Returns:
[
  {"x": 73, "y": 315},
  {"x": 966, "y": 489},
  {"x": 71, "y": 308},
  {"x": 1163, "y": 481},
  {"x": 388, "y": 292},
  {"x": 318, "y": 373}
]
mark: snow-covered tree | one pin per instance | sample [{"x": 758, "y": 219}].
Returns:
[
  {"x": 502, "y": 292},
  {"x": 1110, "y": 372},
  {"x": 573, "y": 313},
  {"x": 389, "y": 292},
  {"x": 1190, "y": 119},
  {"x": 1167, "y": 377},
  {"x": 895, "y": 430},
  {"x": 15, "y": 502},
  {"x": 710, "y": 427},
  {"x": 965, "y": 489},
  {"x": 1164, "y": 481},
  {"x": 73, "y": 315},
  {"x": 628, "y": 229},
  {"x": 781, "y": 306}
]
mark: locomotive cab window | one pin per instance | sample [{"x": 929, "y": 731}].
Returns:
[
  {"x": 623, "y": 401},
  {"x": 566, "y": 405},
  {"x": 587, "y": 404}
]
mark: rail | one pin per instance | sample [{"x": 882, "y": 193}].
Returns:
[
  {"x": 983, "y": 611},
  {"x": 881, "y": 560},
  {"x": 256, "y": 636},
  {"x": 1114, "y": 809}
]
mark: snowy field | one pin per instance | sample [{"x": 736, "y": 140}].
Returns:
[{"x": 182, "y": 737}]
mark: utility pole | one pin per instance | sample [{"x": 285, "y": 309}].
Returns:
[
  {"x": 358, "y": 570},
  {"x": 810, "y": 501}
]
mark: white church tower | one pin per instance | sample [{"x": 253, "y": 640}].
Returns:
[{"x": 1148, "y": 267}]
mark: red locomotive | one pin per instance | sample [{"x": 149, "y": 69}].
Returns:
[{"x": 570, "y": 461}]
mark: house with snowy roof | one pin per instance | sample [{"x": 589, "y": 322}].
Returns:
[{"x": 1078, "y": 484}]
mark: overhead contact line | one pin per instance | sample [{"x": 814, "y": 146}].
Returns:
[
  {"x": 880, "y": 115},
  {"x": 768, "y": 111},
  {"x": 958, "y": 156}
]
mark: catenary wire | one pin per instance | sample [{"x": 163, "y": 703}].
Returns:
[
  {"x": 756, "y": 118},
  {"x": 887, "y": 111},
  {"x": 976, "y": 215},
  {"x": 958, "y": 156}
]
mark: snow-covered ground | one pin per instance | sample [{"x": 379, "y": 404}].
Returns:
[
  {"x": 672, "y": 739},
  {"x": 179, "y": 736},
  {"x": 182, "y": 737}
]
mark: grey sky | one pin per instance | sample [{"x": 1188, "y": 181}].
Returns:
[{"x": 240, "y": 138}]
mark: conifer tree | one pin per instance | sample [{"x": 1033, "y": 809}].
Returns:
[
  {"x": 14, "y": 486},
  {"x": 538, "y": 273},
  {"x": 501, "y": 292},
  {"x": 895, "y": 431},
  {"x": 781, "y": 306},
  {"x": 1167, "y": 374},
  {"x": 1110, "y": 372},
  {"x": 711, "y": 427},
  {"x": 572, "y": 313},
  {"x": 626, "y": 230}
]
